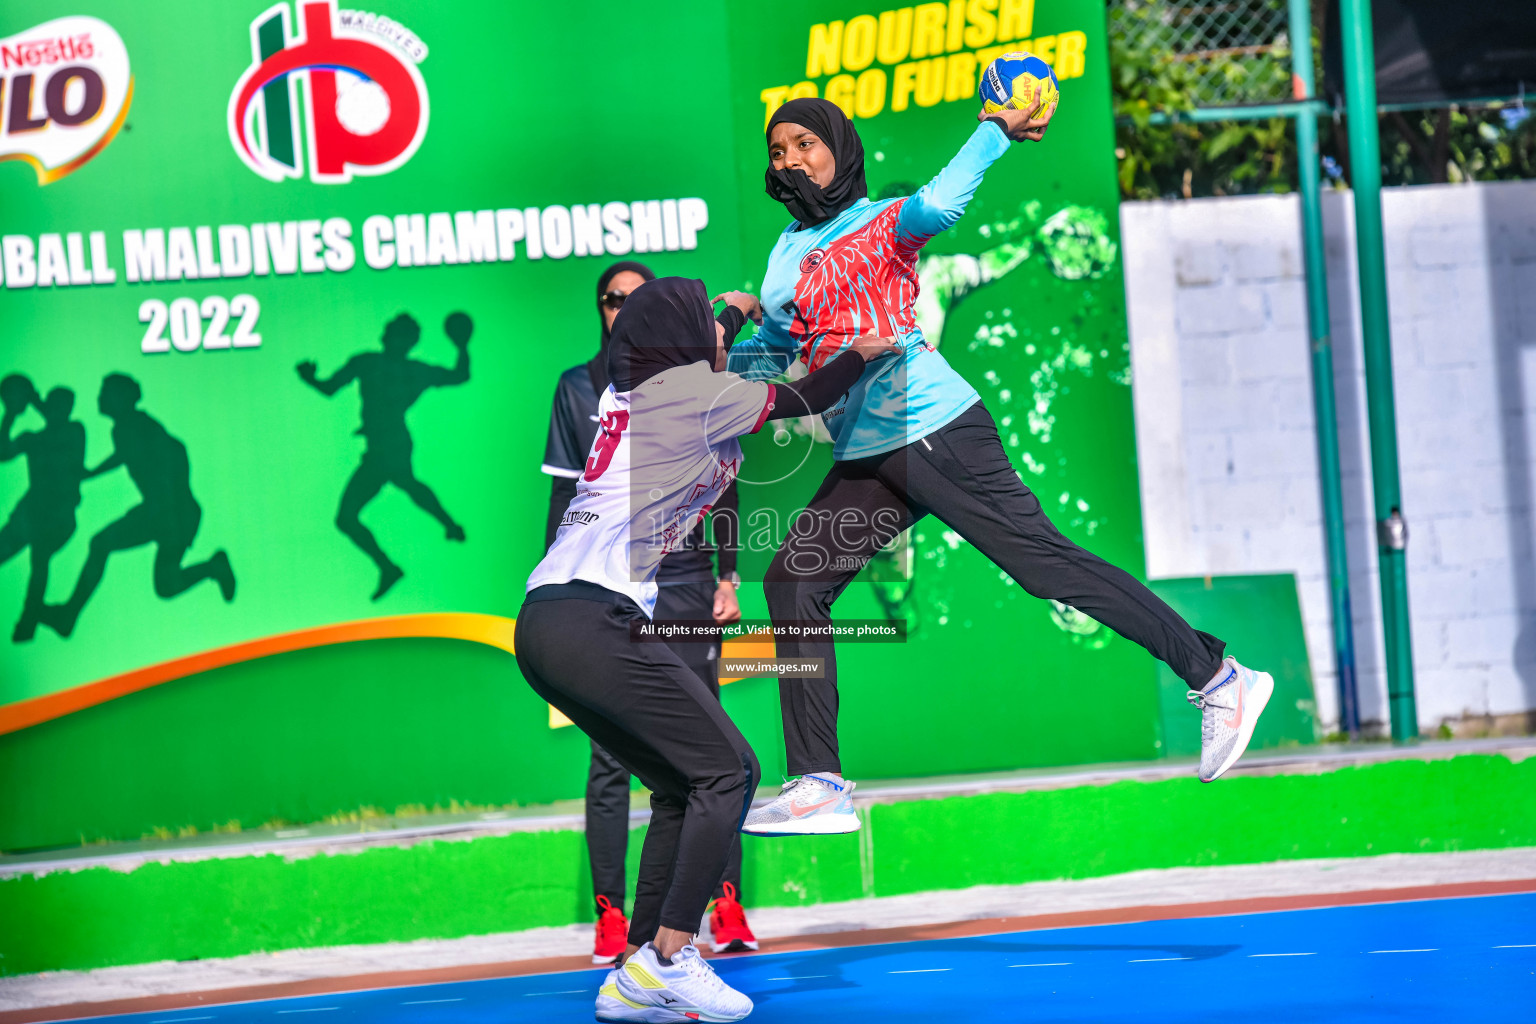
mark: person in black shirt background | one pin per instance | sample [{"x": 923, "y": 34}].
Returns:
[{"x": 690, "y": 589}]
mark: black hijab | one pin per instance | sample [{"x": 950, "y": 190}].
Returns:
[
  {"x": 807, "y": 201},
  {"x": 597, "y": 366},
  {"x": 667, "y": 323}
]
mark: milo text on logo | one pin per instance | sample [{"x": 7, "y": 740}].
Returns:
[
  {"x": 365, "y": 104},
  {"x": 64, "y": 93}
]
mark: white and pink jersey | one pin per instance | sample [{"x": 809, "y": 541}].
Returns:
[{"x": 663, "y": 454}]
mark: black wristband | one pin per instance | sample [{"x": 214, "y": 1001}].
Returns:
[
  {"x": 1001, "y": 124},
  {"x": 732, "y": 319},
  {"x": 819, "y": 390}
]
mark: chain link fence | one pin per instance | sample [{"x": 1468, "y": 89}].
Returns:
[{"x": 1210, "y": 55}]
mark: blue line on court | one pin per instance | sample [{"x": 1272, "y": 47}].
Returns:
[{"x": 1430, "y": 961}]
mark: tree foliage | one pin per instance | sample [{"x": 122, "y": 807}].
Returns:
[
  {"x": 1455, "y": 144},
  {"x": 1189, "y": 159},
  {"x": 1185, "y": 158}
]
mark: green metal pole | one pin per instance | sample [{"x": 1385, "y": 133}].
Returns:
[
  {"x": 1391, "y": 529},
  {"x": 1323, "y": 401}
]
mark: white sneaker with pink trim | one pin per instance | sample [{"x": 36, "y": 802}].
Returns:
[
  {"x": 812, "y": 805},
  {"x": 1231, "y": 705}
]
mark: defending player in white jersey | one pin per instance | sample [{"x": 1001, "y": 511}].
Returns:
[
  {"x": 688, "y": 588},
  {"x": 667, "y": 446}
]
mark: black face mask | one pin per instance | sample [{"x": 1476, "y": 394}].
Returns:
[
  {"x": 597, "y": 366},
  {"x": 666, "y": 323},
  {"x": 808, "y": 202}
]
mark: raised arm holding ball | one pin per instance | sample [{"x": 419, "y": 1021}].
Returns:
[
  {"x": 912, "y": 438},
  {"x": 1021, "y": 125}
]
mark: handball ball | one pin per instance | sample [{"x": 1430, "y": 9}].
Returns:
[
  {"x": 459, "y": 327},
  {"x": 1009, "y": 83},
  {"x": 17, "y": 392}
]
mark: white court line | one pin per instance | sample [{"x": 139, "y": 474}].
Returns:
[
  {"x": 923, "y": 970},
  {"x": 1402, "y": 951},
  {"x": 562, "y": 992},
  {"x": 1065, "y": 964},
  {"x": 178, "y": 1020},
  {"x": 803, "y": 977},
  {"x": 1518, "y": 945},
  {"x": 311, "y": 1009},
  {"x": 426, "y": 1002},
  {"x": 1160, "y": 960},
  {"x": 1251, "y": 955}
]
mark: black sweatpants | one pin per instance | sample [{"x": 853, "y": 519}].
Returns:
[
  {"x": 960, "y": 474},
  {"x": 658, "y": 719},
  {"x": 608, "y": 781}
]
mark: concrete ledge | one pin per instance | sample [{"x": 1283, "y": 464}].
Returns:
[
  {"x": 939, "y": 836},
  {"x": 568, "y": 816},
  {"x": 1174, "y": 892}
]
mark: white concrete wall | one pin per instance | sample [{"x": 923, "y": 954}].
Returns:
[{"x": 1219, "y": 347}]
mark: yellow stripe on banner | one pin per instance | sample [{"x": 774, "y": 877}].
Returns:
[
  {"x": 491, "y": 630},
  {"x": 753, "y": 645}
]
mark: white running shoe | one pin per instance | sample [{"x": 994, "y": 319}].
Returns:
[
  {"x": 608, "y": 1001},
  {"x": 1231, "y": 707},
  {"x": 647, "y": 991},
  {"x": 812, "y": 805}
]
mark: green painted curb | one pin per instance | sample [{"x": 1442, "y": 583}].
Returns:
[{"x": 443, "y": 889}]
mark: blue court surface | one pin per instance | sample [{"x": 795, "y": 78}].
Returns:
[{"x": 1470, "y": 959}]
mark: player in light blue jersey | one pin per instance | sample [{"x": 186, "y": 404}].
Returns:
[{"x": 912, "y": 438}]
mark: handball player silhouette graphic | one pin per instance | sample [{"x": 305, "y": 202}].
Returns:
[
  {"x": 389, "y": 383},
  {"x": 168, "y": 516},
  {"x": 44, "y": 518}
]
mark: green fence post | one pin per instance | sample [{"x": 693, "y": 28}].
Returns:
[
  {"x": 1330, "y": 489},
  {"x": 1391, "y": 528}
]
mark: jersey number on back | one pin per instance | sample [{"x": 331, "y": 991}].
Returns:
[{"x": 607, "y": 441}]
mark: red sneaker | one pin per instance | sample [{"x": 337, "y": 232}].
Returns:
[
  {"x": 728, "y": 931},
  {"x": 612, "y": 933}
]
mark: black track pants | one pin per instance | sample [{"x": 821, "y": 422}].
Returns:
[
  {"x": 608, "y": 781},
  {"x": 960, "y": 474},
  {"x": 658, "y": 720}
]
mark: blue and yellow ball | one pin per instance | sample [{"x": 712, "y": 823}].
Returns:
[{"x": 1009, "y": 83}]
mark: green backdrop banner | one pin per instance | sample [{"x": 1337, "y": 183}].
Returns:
[
  {"x": 208, "y": 282},
  {"x": 224, "y": 226}
]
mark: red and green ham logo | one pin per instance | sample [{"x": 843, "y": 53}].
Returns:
[{"x": 365, "y": 104}]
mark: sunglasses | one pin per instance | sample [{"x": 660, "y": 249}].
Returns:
[{"x": 613, "y": 300}]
